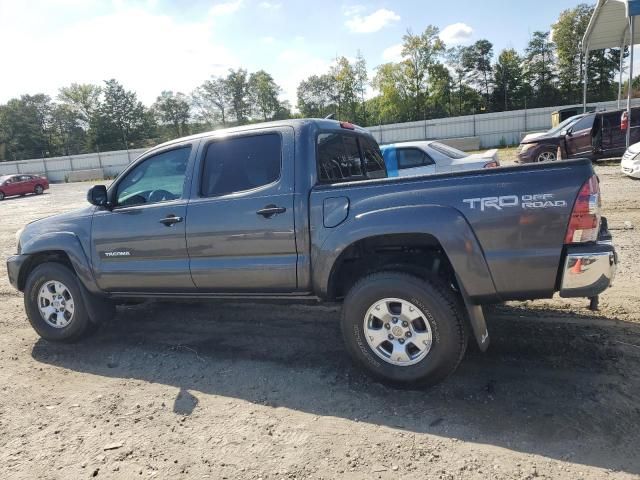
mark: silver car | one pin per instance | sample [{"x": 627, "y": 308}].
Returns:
[{"x": 430, "y": 156}]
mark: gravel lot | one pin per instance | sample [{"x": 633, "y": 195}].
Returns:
[{"x": 224, "y": 390}]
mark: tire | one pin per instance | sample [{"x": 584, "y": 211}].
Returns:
[
  {"x": 38, "y": 190},
  {"x": 44, "y": 277},
  {"x": 1, "y": 196},
  {"x": 547, "y": 156},
  {"x": 439, "y": 310}
]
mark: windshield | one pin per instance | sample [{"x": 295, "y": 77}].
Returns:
[
  {"x": 447, "y": 150},
  {"x": 566, "y": 124}
]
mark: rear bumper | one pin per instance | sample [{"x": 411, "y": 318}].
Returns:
[
  {"x": 14, "y": 264},
  {"x": 588, "y": 269}
]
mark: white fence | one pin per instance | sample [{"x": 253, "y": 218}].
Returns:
[
  {"x": 492, "y": 129},
  {"x": 57, "y": 168}
]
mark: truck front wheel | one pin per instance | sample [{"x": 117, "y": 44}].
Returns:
[
  {"x": 404, "y": 330},
  {"x": 54, "y": 304}
]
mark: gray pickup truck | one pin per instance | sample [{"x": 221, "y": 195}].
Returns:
[{"x": 303, "y": 209}]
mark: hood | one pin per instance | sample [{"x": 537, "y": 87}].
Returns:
[
  {"x": 532, "y": 137},
  {"x": 77, "y": 222},
  {"x": 635, "y": 148}
]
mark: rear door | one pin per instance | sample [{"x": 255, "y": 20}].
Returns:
[
  {"x": 27, "y": 184},
  {"x": 579, "y": 138},
  {"x": 240, "y": 228},
  {"x": 613, "y": 139}
]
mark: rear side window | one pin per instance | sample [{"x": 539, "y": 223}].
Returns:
[
  {"x": 412, "y": 158},
  {"x": 344, "y": 157},
  {"x": 373, "y": 161},
  {"x": 447, "y": 150},
  {"x": 242, "y": 163}
]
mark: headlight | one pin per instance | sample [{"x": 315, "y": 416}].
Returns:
[
  {"x": 18, "y": 235},
  {"x": 526, "y": 147}
]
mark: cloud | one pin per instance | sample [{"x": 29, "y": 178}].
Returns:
[
  {"x": 270, "y": 5},
  {"x": 298, "y": 65},
  {"x": 392, "y": 53},
  {"x": 225, "y": 8},
  {"x": 267, "y": 40},
  {"x": 370, "y": 23},
  {"x": 456, "y": 33},
  {"x": 153, "y": 59}
]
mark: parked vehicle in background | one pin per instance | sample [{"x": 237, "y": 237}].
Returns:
[
  {"x": 302, "y": 209},
  {"x": 22, "y": 184},
  {"x": 630, "y": 164},
  {"x": 592, "y": 135},
  {"x": 430, "y": 156}
]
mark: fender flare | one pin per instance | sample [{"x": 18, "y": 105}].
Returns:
[
  {"x": 447, "y": 225},
  {"x": 97, "y": 304}
]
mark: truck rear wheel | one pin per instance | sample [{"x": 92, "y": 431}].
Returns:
[
  {"x": 54, "y": 304},
  {"x": 404, "y": 330}
]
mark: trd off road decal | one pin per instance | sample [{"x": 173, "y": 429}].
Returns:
[{"x": 531, "y": 201}]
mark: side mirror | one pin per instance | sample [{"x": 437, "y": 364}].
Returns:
[
  {"x": 97, "y": 195},
  {"x": 568, "y": 131}
]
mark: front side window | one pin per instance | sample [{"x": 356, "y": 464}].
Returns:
[
  {"x": 584, "y": 123},
  {"x": 158, "y": 178},
  {"x": 242, "y": 163}
]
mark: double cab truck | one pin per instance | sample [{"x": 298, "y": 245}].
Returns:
[{"x": 304, "y": 209}]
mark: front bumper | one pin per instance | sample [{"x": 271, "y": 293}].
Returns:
[
  {"x": 14, "y": 264},
  {"x": 588, "y": 269}
]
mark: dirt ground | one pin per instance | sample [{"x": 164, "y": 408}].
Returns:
[{"x": 226, "y": 390}]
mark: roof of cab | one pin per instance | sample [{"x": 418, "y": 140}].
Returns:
[{"x": 321, "y": 123}]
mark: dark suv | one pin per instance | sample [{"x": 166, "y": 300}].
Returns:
[{"x": 591, "y": 135}]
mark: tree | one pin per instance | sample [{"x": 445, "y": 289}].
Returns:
[
  {"x": 456, "y": 62},
  {"x": 27, "y": 127},
  {"x": 420, "y": 52},
  {"x": 84, "y": 98},
  {"x": 567, "y": 35},
  {"x": 173, "y": 109},
  {"x": 477, "y": 61},
  {"x": 508, "y": 77},
  {"x": 440, "y": 98},
  {"x": 316, "y": 96},
  {"x": 344, "y": 92},
  {"x": 122, "y": 118},
  {"x": 263, "y": 94},
  {"x": 211, "y": 101},
  {"x": 540, "y": 69},
  {"x": 237, "y": 94},
  {"x": 360, "y": 68},
  {"x": 395, "y": 102}
]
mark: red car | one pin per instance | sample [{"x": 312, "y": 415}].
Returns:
[{"x": 22, "y": 184}]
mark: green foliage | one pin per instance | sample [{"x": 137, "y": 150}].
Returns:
[
  {"x": 263, "y": 93},
  {"x": 173, "y": 109}
]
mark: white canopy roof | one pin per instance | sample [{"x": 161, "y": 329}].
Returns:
[{"x": 609, "y": 25}]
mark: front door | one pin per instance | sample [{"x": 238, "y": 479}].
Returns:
[
  {"x": 240, "y": 228},
  {"x": 578, "y": 139},
  {"x": 139, "y": 245}
]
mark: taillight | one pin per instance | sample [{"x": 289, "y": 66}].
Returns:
[
  {"x": 492, "y": 164},
  {"x": 585, "y": 216}
]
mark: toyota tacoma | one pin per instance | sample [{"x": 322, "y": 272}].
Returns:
[{"x": 303, "y": 209}]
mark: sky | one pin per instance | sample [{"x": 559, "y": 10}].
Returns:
[{"x": 155, "y": 45}]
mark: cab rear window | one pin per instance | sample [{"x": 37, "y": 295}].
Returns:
[{"x": 346, "y": 157}]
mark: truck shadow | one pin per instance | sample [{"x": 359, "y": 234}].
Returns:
[{"x": 560, "y": 385}]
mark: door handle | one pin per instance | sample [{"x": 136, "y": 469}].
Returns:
[
  {"x": 170, "y": 220},
  {"x": 271, "y": 210}
]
